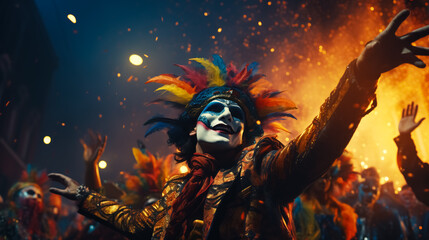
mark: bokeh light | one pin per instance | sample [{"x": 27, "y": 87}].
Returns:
[
  {"x": 102, "y": 164},
  {"x": 184, "y": 169},
  {"x": 136, "y": 59},
  {"x": 47, "y": 139},
  {"x": 72, "y": 18}
]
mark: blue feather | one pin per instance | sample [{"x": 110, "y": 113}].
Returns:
[
  {"x": 279, "y": 115},
  {"x": 254, "y": 66},
  {"x": 218, "y": 61},
  {"x": 157, "y": 127}
]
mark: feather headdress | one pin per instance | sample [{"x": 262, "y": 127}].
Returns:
[{"x": 210, "y": 80}]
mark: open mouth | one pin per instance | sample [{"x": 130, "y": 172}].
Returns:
[{"x": 223, "y": 128}]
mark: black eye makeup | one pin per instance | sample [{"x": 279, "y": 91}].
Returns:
[
  {"x": 237, "y": 113},
  {"x": 215, "y": 107}
]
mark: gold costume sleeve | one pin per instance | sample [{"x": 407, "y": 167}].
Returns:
[
  {"x": 309, "y": 155},
  {"x": 133, "y": 223}
]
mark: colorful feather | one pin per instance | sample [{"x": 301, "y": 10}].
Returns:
[
  {"x": 157, "y": 127},
  {"x": 170, "y": 79},
  {"x": 278, "y": 116},
  {"x": 214, "y": 78},
  {"x": 253, "y": 67},
  {"x": 179, "y": 94},
  {"x": 241, "y": 77},
  {"x": 231, "y": 71},
  {"x": 266, "y": 106},
  {"x": 274, "y": 127},
  {"x": 198, "y": 78},
  {"x": 218, "y": 61}
]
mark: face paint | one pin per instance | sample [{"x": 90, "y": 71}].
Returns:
[
  {"x": 369, "y": 191},
  {"x": 221, "y": 123}
]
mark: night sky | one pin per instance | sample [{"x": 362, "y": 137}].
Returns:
[{"x": 96, "y": 87}]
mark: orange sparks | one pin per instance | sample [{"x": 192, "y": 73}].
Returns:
[{"x": 130, "y": 78}]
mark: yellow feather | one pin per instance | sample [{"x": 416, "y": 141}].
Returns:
[
  {"x": 141, "y": 158},
  {"x": 213, "y": 72},
  {"x": 278, "y": 126},
  {"x": 179, "y": 94}
]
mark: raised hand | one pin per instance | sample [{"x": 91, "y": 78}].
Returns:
[
  {"x": 93, "y": 150},
  {"x": 388, "y": 51},
  {"x": 71, "y": 185},
  {"x": 407, "y": 124}
]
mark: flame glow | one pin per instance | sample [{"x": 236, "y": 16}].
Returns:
[{"x": 310, "y": 68}]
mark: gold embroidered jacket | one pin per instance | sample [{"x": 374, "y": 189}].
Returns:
[{"x": 253, "y": 199}]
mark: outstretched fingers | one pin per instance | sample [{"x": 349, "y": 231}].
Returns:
[
  {"x": 58, "y": 177},
  {"x": 397, "y": 21},
  {"x": 423, "y": 51},
  {"x": 58, "y": 191},
  {"x": 416, "y": 34},
  {"x": 415, "y": 110}
]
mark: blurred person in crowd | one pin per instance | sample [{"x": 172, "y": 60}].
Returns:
[
  {"x": 414, "y": 170},
  {"x": 418, "y": 213},
  {"x": 375, "y": 221},
  {"x": 28, "y": 213},
  {"x": 318, "y": 214}
]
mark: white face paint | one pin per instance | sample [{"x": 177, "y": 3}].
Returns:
[
  {"x": 221, "y": 124},
  {"x": 30, "y": 192}
]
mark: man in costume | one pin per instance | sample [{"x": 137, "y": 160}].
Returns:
[
  {"x": 237, "y": 190},
  {"x": 414, "y": 170},
  {"x": 376, "y": 221}
]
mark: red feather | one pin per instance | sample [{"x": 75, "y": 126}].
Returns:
[
  {"x": 241, "y": 77},
  {"x": 198, "y": 78}
]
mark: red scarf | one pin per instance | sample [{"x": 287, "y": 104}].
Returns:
[{"x": 203, "y": 170}]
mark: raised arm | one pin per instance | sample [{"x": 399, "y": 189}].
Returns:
[
  {"x": 309, "y": 155},
  {"x": 92, "y": 151},
  {"x": 414, "y": 170},
  {"x": 132, "y": 223}
]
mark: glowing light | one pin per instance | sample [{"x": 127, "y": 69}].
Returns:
[
  {"x": 183, "y": 169},
  {"x": 272, "y": 50},
  {"x": 136, "y": 59},
  {"x": 72, "y": 18},
  {"x": 206, "y": 14},
  {"x": 260, "y": 23},
  {"x": 371, "y": 8},
  {"x": 119, "y": 74},
  {"x": 219, "y": 30},
  {"x": 386, "y": 179},
  {"x": 258, "y": 122},
  {"x": 102, "y": 164},
  {"x": 47, "y": 139},
  {"x": 384, "y": 151}
]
